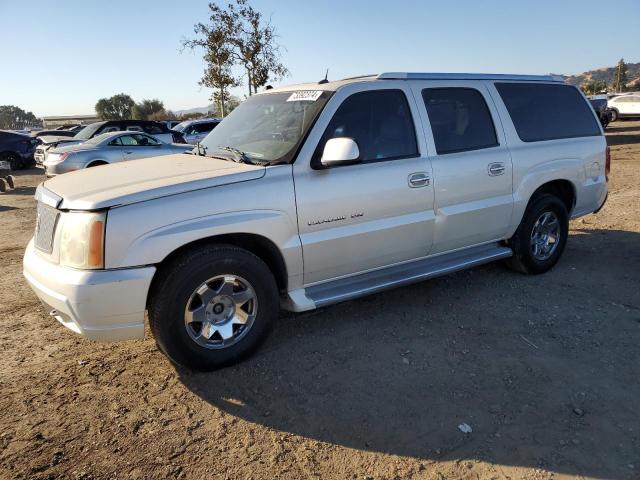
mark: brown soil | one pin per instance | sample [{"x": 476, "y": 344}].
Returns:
[{"x": 545, "y": 369}]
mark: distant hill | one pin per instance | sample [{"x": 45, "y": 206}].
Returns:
[
  {"x": 606, "y": 74},
  {"x": 203, "y": 110}
]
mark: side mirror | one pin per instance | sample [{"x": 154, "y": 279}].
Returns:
[{"x": 340, "y": 151}]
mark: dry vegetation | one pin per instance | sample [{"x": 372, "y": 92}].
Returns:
[{"x": 544, "y": 369}]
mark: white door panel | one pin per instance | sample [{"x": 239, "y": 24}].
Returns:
[
  {"x": 473, "y": 189},
  {"x": 361, "y": 217}
]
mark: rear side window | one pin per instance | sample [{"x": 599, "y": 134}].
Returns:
[
  {"x": 153, "y": 129},
  {"x": 547, "y": 112},
  {"x": 379, "y": 121},
  {"x": 204, "y": 127},
  {"x": 460, "y": 119}
]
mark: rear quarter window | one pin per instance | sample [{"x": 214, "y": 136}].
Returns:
[{"x": 547, "y": 112}]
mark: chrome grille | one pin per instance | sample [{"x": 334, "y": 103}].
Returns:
[{"x": 46, "y": 220}]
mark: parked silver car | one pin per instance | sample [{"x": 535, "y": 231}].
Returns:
[
  {"x": 107, "y": 148},
  {"x": 194, "y": 131}
]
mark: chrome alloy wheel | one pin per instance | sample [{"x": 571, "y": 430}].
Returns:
[
  {"x": 221, "y": 311},
  {"x": 545, "y": 236}
]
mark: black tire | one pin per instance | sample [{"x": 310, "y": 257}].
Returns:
[
  {"x": 174, "y": 287},
  {"x": 11, "y": 181},
  {"x": 614, "y": 115},
  {"x": 523, "y": 259},
  {"x": 3, "y": 185},
  {"x": 15, "y": 162}
]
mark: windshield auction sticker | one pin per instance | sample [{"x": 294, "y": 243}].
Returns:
[{"x": 305, "y": 96}]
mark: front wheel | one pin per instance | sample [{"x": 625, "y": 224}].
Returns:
[
  {"x": 614, "y": 115},
  {"x": 212, "y": 306},
  {"x": 541, "y": 236}
]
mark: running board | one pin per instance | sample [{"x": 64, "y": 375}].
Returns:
[{"x": 404, "y": 274}]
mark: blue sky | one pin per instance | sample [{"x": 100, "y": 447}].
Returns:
[{"x": 60, "y": 57}]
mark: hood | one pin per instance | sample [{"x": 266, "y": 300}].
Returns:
[{"x": 140, "y": 180}]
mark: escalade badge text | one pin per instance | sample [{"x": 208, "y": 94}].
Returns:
[{"x": 334, "y": 219}]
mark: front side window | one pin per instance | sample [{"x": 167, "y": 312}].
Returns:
[
  {"x": 543, "y": 111},
  {"x": 460, "y": 119},
  {"x": 379, "y": 121}
]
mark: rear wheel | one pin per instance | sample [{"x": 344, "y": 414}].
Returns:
[
  {"x": 614, "y": 115},
  {"x": 11, "y": 181},
  {"x": 3, "y": 185},
  {"x": 212, "y": 306},
  {"x": 541, "y": 237},
  {"x": 14, "y": 160},
  {"x": 96, "y": 164}
]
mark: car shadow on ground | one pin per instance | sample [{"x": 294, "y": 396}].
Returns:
[
  {"x": 398, "y": 372},
  {"x": 622, "y": 139}
]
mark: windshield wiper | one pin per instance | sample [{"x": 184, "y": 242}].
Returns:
[{"x": 240, "y": 157}]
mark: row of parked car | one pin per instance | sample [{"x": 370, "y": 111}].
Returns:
[
  {"x": 78, "y": 146},
  {"x": 614, "y": 107}
]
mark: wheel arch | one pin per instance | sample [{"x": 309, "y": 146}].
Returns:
[
  {"x": 260, "y": 246},
  {"x": 564, "y": 189},
  {"x": 96, "y": 163}
]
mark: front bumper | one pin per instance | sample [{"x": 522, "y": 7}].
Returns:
[{"x": 102, "y": 305}]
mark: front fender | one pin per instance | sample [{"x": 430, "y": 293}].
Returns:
[{"x": 154, "y": 245}]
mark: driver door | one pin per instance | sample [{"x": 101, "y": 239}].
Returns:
[{"x": 377, "y": 213}]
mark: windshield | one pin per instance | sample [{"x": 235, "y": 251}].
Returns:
[
  {"x": 267, "y": 128},
  {"x": 180, "y": 127},
  {"x": 87, "y": 132}
]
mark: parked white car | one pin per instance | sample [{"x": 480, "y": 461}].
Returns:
[
  {"x": 314, "y": 194},
  {"x": 625, "y": 106}
]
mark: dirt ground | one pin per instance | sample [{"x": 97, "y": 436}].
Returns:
[{"x": 545, "y": 370}]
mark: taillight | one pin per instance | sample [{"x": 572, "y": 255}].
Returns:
[{"x": 607, "y": 163}]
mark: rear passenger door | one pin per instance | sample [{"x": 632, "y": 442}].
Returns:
[{"x": 472, "y": 171}]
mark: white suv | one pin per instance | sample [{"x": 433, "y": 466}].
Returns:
[
  {"x": 314, "y": 194},
  {"x": 625, "y": 106}
]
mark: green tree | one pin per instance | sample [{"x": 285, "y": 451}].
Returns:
[
  {"x": 215, "y": 39},
  {"x": 14, "y": 118},
  {"x": 117, "y": 107},
  {"x": 593, "y": 87},
  {"x": 258, "y": 50},
  {"x": 620, "y": 78},
  {"x": 237, "y": 36},
  {"x": 147, "y": 109}
]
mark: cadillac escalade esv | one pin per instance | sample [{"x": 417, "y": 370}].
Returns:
[{"x": 314, "y": 194}]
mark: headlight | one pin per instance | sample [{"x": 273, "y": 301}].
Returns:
[{"x": 82, "y": 240}]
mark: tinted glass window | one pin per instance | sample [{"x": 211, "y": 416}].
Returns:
[
  {"x": 379, "y": 121},
  {"x": 204, "y": 127},
  {"x": 152, "y": 129},
  {"x": 460, "y": 119},
  {"x": 137, "y": 140},
  {"x": 547, "y": 112}
]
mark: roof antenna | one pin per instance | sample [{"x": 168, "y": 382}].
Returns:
[{"x": 325, "y": 79}]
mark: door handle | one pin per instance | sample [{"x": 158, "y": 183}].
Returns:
[
  {"x": 496, "y": 168},
  {"x": 418, "y": 179},
  {"x": 128, "y": 152}
]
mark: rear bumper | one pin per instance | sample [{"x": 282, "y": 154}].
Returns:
[{"x": 106, "y": 305}]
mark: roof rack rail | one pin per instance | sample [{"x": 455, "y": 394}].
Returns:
[{"x": 467, "y": 76}]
